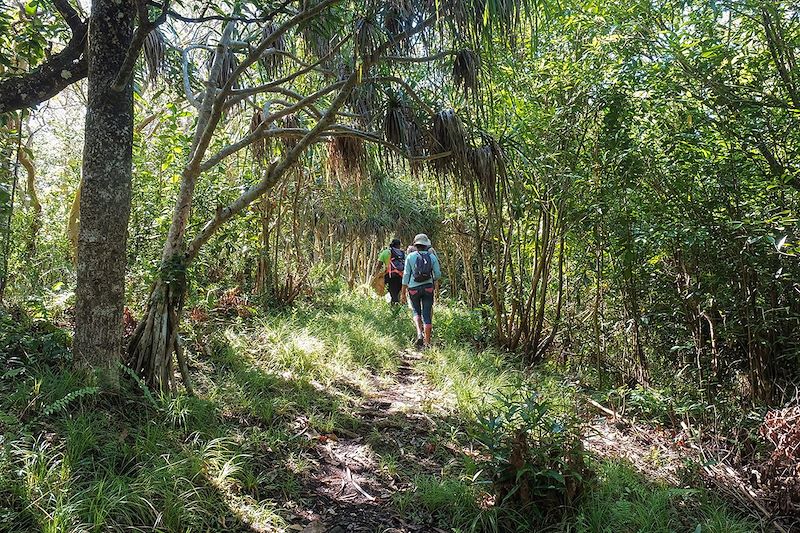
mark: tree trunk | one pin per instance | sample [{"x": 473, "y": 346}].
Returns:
[
  {"x": 105, "y": 194},
  {"x": 156, "y": 337}
]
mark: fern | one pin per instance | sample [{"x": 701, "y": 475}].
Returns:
[{"x": 62, "y": 403}]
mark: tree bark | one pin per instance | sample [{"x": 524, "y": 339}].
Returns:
[
  {"x": 50, "y": 78},
  {"x": 105, "y": 194}
]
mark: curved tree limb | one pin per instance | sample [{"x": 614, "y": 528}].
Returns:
[
  {"x": 54, "y": 75},
  {"x": 276, "y": 170},
  {"x": 142, "y": 31},
  {"x": 261, "y": 131},
  {"x": 238, "y": 94}
]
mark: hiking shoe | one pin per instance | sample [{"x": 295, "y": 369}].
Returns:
[{"x": 420, "y": 342}]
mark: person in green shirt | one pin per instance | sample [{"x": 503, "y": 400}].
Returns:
[{"x": 393, "y": 259}]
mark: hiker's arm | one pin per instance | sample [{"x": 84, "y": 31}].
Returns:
[
  {"x": 437, "y": 275},
  {"x": 406, "y": 279},
  {"x": 380, "y": 264},
  {"x": 407, "y": 273}
]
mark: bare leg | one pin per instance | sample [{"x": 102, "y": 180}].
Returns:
[{"x": 418, "y": 325}]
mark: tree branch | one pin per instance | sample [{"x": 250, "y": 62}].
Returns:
[
  {"x": 54, "y": 75},
  {"x": 222, "y": 18},
  {"x": 268, "y": 40},
  {"x": 260, "y": 132},
  {"x": 69, "y": 15},
  {"x": 276, "y": 170},
  {"x": 239, "y": 94},
  {"x": 420, "y": 59},
  {"x": 142, "y": 31}
]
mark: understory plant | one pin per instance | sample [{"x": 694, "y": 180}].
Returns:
[{"x": 533, "y": 455}]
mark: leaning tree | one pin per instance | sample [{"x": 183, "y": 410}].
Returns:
[{"x": 322, "y": 73}]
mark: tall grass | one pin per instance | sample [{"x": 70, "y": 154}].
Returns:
[{"x": 236, "y": 456}]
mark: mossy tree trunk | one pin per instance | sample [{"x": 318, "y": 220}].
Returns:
[{"x": 105, "y": 193}]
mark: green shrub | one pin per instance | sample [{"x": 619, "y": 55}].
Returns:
[{"x": 535, "y": 458}]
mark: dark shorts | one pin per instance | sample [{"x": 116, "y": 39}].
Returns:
[
  {"x": 421, "y": 299},
  {"x": 394, "y": 284}
]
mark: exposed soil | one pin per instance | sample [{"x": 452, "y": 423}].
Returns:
[{"x": 349, "y": 491}]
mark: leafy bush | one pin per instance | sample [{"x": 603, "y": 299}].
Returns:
[{"x": 536, "y": 458}]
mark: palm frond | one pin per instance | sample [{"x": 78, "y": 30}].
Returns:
[
  {"x": 395, "y": 121},
  {"x": 317, "y": 37},
  {"x": 449, "y": 135},
  {"x": 488, "y": 168},
  {"x": 347, "y": 160},
  {"x": 362, "y": 101},
  {"x": 259, "y": 147},
  {"x": 229, "y": 64},
  {"x": 398, "y": 17},
  {"x": 292, "y": 122},
  {"x": 369, "y": 36},
  {"x": 481, "y": 20},
  {"x": 272, "y": 61},
  {"x": 154, "y": 52},
  {"x": 465, "y": 70}
]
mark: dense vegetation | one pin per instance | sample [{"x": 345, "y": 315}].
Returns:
[{"x": 613, "y": 190}]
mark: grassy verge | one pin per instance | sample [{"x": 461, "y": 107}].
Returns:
[{"x": 237, "y": 456}]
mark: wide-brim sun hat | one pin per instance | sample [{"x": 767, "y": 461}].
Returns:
[{"x": 422, "y": 239}]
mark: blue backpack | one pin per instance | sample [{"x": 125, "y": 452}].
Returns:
[
  {"x": 397, "y": 262},
  {"x": 423, "y": 268}
]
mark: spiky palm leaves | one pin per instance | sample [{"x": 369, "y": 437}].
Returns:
[
  {"x": 362, "y": 102},
  {"x": 398, "y": 17},
  {"x": 369, "y": 36},
  {"x": 488, "y": 168},
  {"x": 401, "y": 126},
  {"x": 259, "y": 147},
  {"x": 449, "y": 135},
  {"x": 229, "y": 64},
  {"x": 482, "y": 166},
  {"x": 154, "y": 52},
  {"x": 273, "y": 58},
  {"x": 480, "y": 20},
  {"x": 465, "y": 71},
  {"x": 291, "y": 122},
  {"x": 317, "y": 37},
  {"x": 347, "y": 160}
]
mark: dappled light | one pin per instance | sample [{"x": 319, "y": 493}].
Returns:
[{"x": 403, "y": 266}]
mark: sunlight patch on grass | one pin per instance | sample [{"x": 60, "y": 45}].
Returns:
[{"x": 467, "y": 378}]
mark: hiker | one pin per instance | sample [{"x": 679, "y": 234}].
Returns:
[
  {"x": 393, "y": 261},
  {"x": 420, "y": 280},
  {"x": 410, "y": 250}
]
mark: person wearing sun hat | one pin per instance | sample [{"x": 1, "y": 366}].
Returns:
[{"x": 421, "y": 273}]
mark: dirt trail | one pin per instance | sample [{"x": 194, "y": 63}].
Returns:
[{"x": 352, "y": 490}]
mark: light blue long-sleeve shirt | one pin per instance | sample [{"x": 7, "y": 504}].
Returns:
[{"x": 411, "y": 264}]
